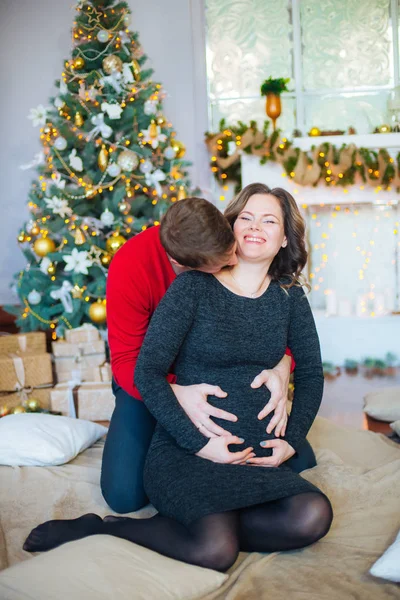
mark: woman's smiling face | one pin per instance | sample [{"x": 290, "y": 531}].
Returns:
[{"x": 259, "y": 228}]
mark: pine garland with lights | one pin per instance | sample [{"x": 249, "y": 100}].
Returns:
[
  {"x": 109, "y": 168},
  {"x": 324, "y": 163}
]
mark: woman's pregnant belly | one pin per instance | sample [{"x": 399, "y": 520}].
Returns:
[{"x": 246, "y": 403}]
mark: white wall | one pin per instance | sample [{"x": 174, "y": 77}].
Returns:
[{"x": 35, "y": 40}]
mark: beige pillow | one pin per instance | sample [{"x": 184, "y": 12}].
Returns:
[
  {"x": 383, "y": 404},
  {"x": 103, "y": 567},
  {"x": 396, "y": 427}
]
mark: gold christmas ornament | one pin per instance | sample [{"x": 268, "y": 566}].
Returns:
[
  {"x": 79, "y": 237},
  {"x": 43, "y": 245},
  {"x": 384, "y": 129},
  {"x": 179, "y": 148},
  {"x": 97, "y": 311},
  {"x": 51, "y": 269},
  {"x": 182, "y": 195},
  {"x": 114, "y": 243},
  {"x": 78, "y": 119},
  {"x": 160, "y": 121},
  {"x": 35, "y": 229},
  {"x": 21, "y": 237},
  {"x": 103, "y": 158},
  {"x": 78, "y": 63},
  {"x": 153, "y": 129},
  {"x": 124, "y": 207},
  {"x": 112, "y": 63},
  {"x": 105, "y": 259},
  {"x": 18, "y": 410},
  {"x": 32, "y": 404},
  {"x": 314, "y": 132},
  {"x": 4, "y": 411},
  {"x": 77, "y": 292},
  {"x": 128, "y": 160},
  {"x": 136, "y": 69}
]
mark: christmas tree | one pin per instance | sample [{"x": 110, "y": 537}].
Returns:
[{"x": 109, "y": 168}]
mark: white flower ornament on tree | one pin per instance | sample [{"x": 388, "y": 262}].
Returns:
[
  {"x": 153, "y": 138},
  {"x": 59, "y": 206},
  {"x": 153, "y": 179},
  {"x": 78, "y": 262},
  {"x": 38, "y": 115}
]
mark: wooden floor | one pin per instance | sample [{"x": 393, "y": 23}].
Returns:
[{"x": 343, "y": 399}]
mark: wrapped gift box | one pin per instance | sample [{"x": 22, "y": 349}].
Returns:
[
  {"x": 85, "y": 357},
  {"x": 105, "y": 371},
  {"x": 80, "y": 335},
  {"x": 12, "y": 400},
  {"x": 93, "y": 401},
  {"x": 33, "y": 342},
  {"x": 24, "y": 371}
]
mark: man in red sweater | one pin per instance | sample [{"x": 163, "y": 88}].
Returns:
[{"x": 193, "y": 235}]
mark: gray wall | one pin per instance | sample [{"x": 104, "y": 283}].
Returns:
[{"x": 35, "y": 40}]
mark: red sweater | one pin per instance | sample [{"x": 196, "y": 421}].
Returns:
[{"x": 138, "y": 277}]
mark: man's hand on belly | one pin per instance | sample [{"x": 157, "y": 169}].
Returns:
[
  {"x": 277, "y": 381},
  {"x": 193, "y": 400}
]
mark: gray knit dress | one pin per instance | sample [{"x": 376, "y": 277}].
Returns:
[{"x": 214, "y": 336}]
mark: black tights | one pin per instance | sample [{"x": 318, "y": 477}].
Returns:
[{"x": 213, "y": 541}]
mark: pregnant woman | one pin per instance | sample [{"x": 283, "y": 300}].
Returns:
[{"x": 224, "y": 329}]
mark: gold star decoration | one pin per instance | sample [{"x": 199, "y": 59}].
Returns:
[
  {"x": 94, "y": 254},
  {"x": 77, "y": 291}
]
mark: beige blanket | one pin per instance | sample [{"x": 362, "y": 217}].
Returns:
[{"x": 358, "y": 470}]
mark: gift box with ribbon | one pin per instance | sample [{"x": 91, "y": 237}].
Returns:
[
  {"x": 80, "y": 335},
  {"x": 90, "y": 401},
  {"x": 33, "y": 342},
  {"x": 85, "y": 357},
  {"x": 25, "y": 371}
]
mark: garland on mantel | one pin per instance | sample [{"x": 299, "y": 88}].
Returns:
[{"x": 344, "y": 166}]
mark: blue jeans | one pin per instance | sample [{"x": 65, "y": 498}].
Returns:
[{"x": 128, "y": 439}]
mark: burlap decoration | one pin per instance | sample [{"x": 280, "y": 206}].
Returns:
[
  {"x": 86, "y": 357},
  {"x": 306, "y": 172}
]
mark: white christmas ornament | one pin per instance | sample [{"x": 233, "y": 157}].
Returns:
[
  {"x": 128, "y": 160},
  {"x": 169, "y": 153},
  {"x": 60, "y": 143},
  {"x": 63, "y": 293},
  {"x": 127, "y": 20},
  {"x": 99, "y": 127},
  {"x": 59, "y": 206},
  {"x": 150, "y": 107},
  {"x": 77, "y": 262},
  {"x": 102, "y": 36},
  {"x": 58, "y": 102},
  {"x": 34, "y": 297},
  {"x": 151, "y": 139},
  {"x": 107, "y": 217},
  {"x": 75, "y": 161},
  {"x": 63, "y": 87},
  {"x": 145, "y": 166},
  {"x": 153, "y": 180},
  {"x": 113, "y": 110},
  {"x": 57, "y": 181},
  {"x": 38, "y": 115},
  {"x": 113, "y": 169}
]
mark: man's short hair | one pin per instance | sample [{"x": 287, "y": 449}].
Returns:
[{"x": 195, "y": 233}]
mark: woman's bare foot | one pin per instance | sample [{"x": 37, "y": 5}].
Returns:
[{"x": 51, "y": 534}]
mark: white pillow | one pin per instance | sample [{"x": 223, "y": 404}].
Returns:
[
  {"x": 41, "y": 440},
  {"x": 103, "y": 567},
  {"x": 388, "y": 565}
]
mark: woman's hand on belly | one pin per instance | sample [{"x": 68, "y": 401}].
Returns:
[
  {"x": 216, "y": 450},
  {"x": 281, "y": 451}
]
